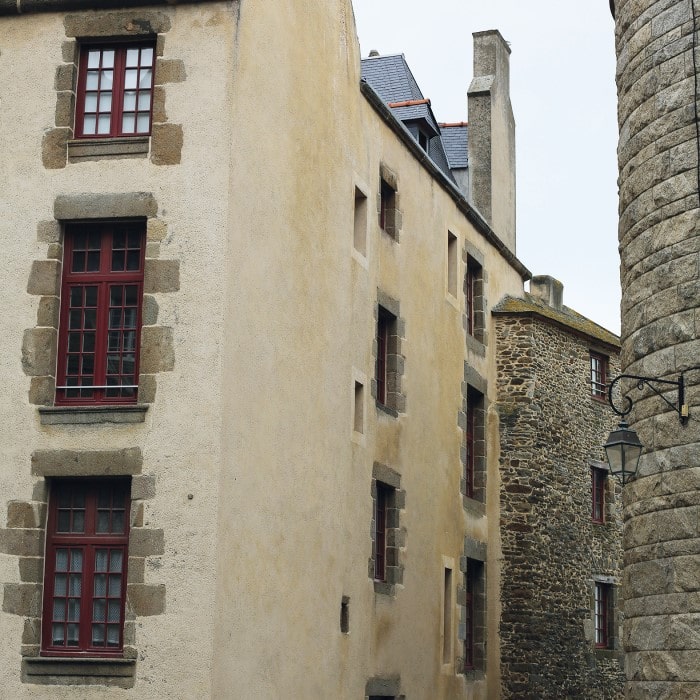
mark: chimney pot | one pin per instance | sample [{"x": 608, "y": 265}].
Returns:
[{"x": 548, "y": 290}]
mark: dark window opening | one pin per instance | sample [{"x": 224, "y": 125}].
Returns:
[
  {"x": 599, "y": 375},
  {"x": 598, "y": 480}
]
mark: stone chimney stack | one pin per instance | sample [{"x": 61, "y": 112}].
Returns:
[
  {"x": 492, "y": 136},
  {"x": 548, "y": 290}
]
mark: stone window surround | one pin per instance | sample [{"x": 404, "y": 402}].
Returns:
[
  {"x": 24, "y": 539},
  {"x": 478, "y": 340},
  {"x": 59, "y": 146},
  {"x": 395, "y": 534},
  {"x": 39, "y": 346},
  {"x": 614, "y": 649},
  {"x": 396, "y": 399},
  {"x": 474, "y": 551},
  {"x": 392, "y": 216},
  {"x": 608, "y": 494},
  {"x": 384, "y": 687},
  {"x": 474, "y": 382}
]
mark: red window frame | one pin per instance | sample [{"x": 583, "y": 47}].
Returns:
[
  {"x": 115, "y": 87},
  {"x": 469, "y": 445},
  {"x": 85, "y": 575},
  {"x": 469, "y": 297},
  {"x": 381, "y": 506},
  {"x": 598, "y": 477},
  {"x": 384, "y": 323},
  {"x": 599, "y": 375},
  {"x": 386, "y": 202},
  {"x": 100, "y": 320},
  {"x": 601, "y": 615},
  {"x": 470, "y": 584}
]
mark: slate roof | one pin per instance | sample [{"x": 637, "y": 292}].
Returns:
[
  {"x": 565, "y": 317},
  {"x": 454, "y": 140},
  {"x": 392, "y": 79}
]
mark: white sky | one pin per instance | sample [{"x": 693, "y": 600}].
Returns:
[{"x": 563, "y": 94}]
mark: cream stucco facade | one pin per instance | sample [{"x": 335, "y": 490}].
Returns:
[{"x": 252, "y": 467}]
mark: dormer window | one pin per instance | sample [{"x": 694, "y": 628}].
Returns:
[{"x": 423, "y": 140}]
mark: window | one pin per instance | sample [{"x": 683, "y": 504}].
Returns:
[
  {"x": 474, "y": 612},
  {"x": 358, "y": 408},
  {"x": 99, "y": 328},
  {"x": 387, "y": 537},
  {"x": 115, "y": 90},
  {"x": 85, "y": 576},
  {"x": 360, "y": 222},
  {"x": 381, "y": 509},
  {"x": 599, "y": 375},
  {"x": 474, "y": 444},
  {"x": 451, "y": 264},
  {"x": 601, "y": 615},
  {"x": 447, "y": 616},
  {"x": 598, "y": 495},
  {"x": 474, "y": 299},
  {"x": 387, "y": 208},
  {"x": 386, "y": 341}
]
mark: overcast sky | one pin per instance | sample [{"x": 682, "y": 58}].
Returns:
[{"x": 563, "y": 94}]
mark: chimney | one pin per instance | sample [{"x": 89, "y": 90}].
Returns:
[
  {"x": 547, "y": 290},
  {"x": 492, "y": 136}
]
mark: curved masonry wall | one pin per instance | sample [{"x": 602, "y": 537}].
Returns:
[{"x": 659, "y": 236}]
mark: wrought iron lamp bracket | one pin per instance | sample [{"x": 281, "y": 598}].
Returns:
[{"x": 681, "y": 408}]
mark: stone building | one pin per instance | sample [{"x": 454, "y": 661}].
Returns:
[
  {"x": 249, "y": 330},
  {"x": 657, "y": 79},
  {"x": 560, "y": 512}
]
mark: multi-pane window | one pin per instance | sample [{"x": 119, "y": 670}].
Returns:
[
  {"x": 386, "y": 349},
  {"x": 599, "y": 375},
  {"x": 85, "y": 578},
  {"x": 602, "y": 601},
  {"x": 100, "y": 313},
  {"x": 115, "y": 90},
  {"x": 474, "y": 445},
  {"x": 474, "y": 299},
  {"x": 381, "y": 507},
  {"x": 598, "y": 495},
  {"x": 469, "y": 444}
]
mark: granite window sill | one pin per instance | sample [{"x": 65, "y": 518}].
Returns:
[
  {"x": 387, "y": 409},
  {"x": 46, "y": 670},
  {"x": 473, "y": 507},
  {"x": 115, "y": 147},
  {"x": 87, "y": 415}
]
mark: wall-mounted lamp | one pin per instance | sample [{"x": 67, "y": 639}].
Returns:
[{"x": 623, "y": 447}]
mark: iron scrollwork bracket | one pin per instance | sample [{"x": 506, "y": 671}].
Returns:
[{"x": 681, "y": 409}]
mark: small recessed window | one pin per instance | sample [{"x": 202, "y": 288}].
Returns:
[
  {"x": 452, "y": 264},
  {"x": 599, "y": 375},
  {"x": 387, "y": 208},
  {"x": 115, "y": 90},
  {"x": 601, "y": 615},
  {"x": 598, "y": 478},
  {"x": 358, "y": 409},
  {"x": 360, "y": 222}
]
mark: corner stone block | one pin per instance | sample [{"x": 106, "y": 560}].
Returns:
[
  {"x": 22, "y": 542},
  {"x": 31, "y": 570},
  {"x": 42, "y": 391},
  {"x": 22, "y": 599},
  {"x": 54, "y": 148},
  {"x": 144, "y": 599},
  {"x": 157, "y": 349},
  {"x": 39, "y": 351},
  {"x": 44, "y": 278},
  {"x": 156, "y": 230},
  {"x": 87, "y": 463},
  {"x": 170, "y": 71},
  {"x": 48, "y": 232},
  {"x": 47, "y": 313},
  {"x": 146, "y": 543},
  {"x": 166, "y": 144},
  {"x": 161, "y": 276},
  {"x": 23, "y": 514}
]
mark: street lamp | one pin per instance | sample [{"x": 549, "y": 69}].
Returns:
[{"x": 623, "y": 447}]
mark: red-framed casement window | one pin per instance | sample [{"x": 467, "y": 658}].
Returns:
[
  {"x": 385, "y": 323},
  {"x": 381, "y": 506},
  {"x": 469, "y": 435},
  {"x": 470, "y": 585},
  {"x": 598, "y": 479},
  {"x": 115, "y": 90},
  {"x": 601, "y": 615},
  {"x": 86, "y": 565},
  {"x": 100, "y": 324},
  {"x": 599, "y": 375}
]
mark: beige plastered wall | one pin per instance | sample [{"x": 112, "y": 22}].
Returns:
[
  {"x": 180, "y": 438},
  {"x": 273, "y": 324},
  {"x": 296, "y": 505}
]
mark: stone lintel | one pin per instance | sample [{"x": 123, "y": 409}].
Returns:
[
  {"x": 66, "y": 463},
  {"x": 77, "y": 207}
]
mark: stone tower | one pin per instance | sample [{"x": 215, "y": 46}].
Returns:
[{"x": 659, "y": 234}]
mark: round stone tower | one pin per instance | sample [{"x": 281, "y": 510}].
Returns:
[{"x": 659, "y": 233}]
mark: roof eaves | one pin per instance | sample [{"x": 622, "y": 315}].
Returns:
[{"x": 473, "y": 216}]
